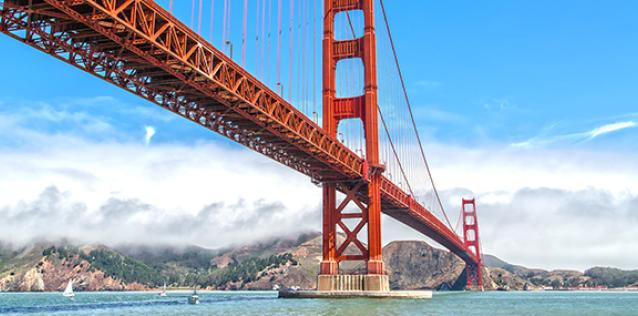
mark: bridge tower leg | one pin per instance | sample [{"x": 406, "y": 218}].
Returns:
[
  {"x": 335, "y": 109},
  {"x": 473, "y": 272}
]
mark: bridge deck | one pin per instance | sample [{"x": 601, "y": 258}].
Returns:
[{"x": 141, "y": 48}]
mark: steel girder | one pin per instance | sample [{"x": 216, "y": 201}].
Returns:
[
  {"x": 214, "y": 84},
  {"x": 138, "y": 46}
]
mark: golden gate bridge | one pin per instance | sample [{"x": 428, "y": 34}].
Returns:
[{"x": 192, "y": 57}]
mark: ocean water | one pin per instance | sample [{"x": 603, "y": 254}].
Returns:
[{"x": 267, "y": 303}]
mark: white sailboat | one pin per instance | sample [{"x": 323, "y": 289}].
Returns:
[
  {"x": 68, "y": 291},
  {"x": 163, "y": 292}
]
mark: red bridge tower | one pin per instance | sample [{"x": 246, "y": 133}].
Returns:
[
  {"x": 335, "y": 109},
  {"x": 473, "y": 272}
]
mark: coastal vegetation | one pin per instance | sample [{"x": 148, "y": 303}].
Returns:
[
  {"x": 285, "y": 262},
  {"x": 179, "y": 270},
  {"x": 247, "y": 271},
  {"x": 612, "y": 277}
]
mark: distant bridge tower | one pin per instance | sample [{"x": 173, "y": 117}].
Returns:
[
  {"x": 362, "y": 107},
  {"x": 474, "y": 272}
]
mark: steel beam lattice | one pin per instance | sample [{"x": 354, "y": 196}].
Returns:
[{"x": 139, "y": 47}]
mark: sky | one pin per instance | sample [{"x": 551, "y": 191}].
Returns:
[{"x": 529, "y": 106}]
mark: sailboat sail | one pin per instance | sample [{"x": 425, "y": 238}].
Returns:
[
  {"x": 68, "y": 291},
  {"x": 163, "y": 292}
]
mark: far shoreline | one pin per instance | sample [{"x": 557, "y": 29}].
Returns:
[{"x": 186, "y": 290}]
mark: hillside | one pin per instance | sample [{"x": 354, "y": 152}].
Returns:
[
  {"x": 282, "y": 262},
  {"x": 93, "y": 268},
  {"x": 515, "y": 277}
]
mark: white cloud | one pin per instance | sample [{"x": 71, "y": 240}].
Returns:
[
  {"x": 498, "y": 169},
  {"x": 55, "y": 215},
  {"x": 150, "y": 132},
  {"x": 538, "y": 207},
  {"x": 576, "y": 137},
  {"x": 551, "y": 228},
  {"x": 609, "y": 128},
  {"x": 562, "y": 229},
  {"x": 532, "y": 204},
  {"x": 535, "y": 205},
  {"x": 203, "y": 194}
]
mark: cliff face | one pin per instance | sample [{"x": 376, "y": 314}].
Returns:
[
  {"x": 35, "y": 269},
  {"x": 417, "y": 265},
  {"x": 410, "y": 265},
  {"x": 285, "y": 262},
  {"x": 289, "y": 262}
]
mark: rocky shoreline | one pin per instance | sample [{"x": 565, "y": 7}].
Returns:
[{"x": 283, "y": 262}]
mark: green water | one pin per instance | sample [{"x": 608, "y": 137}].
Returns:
[{"x": 266, "y": 303}]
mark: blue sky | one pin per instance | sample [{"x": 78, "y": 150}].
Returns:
[
  {"x": 518, "y": 70},
  {"x": 478, "y": 72},
  {"x": 530, "y": 106}
]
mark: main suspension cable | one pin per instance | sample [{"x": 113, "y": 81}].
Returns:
[
  {"x": 416, "y": 131},
  {"x": 385, "y": 127}
]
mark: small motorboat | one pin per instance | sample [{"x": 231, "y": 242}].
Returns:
[{"x": 194, "y": 299}]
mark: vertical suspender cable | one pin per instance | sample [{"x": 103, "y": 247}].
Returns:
[
  {"x": 263, "y": 37},
  {"x": 228, "y": 21},
  {"x": 224, "y": 24},
  {"x": 170, "y": 6},
  {"x": 348, "y": 82},
  {"x": 350, "y": 86},
  {"x": 416, "y": 131},
  {"x": 212, "y": 19},
  {"x": 383, "y": 122},
  {"x": 403, "y": 173},
  {"x": 300, "y": 45},
  {"x": 268, "y": 33},
  {"x": 290, "y": 42},
  {"x": 279, "y": 47},
  {"x": 257, "y": 37},
  {"x": 199, "y": 18},
  {"x": 354, "y": 79},
  {"x": 304, "y": 37},
  {"x": 341, "y": 79},
  {"x": 192, "y": 14},
  {"x": 315, "y": 116},
  {"x": 306, "y": 63},
  {"x": 243, "y": 34}
]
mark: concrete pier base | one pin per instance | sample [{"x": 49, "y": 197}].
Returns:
[
  {"x": 353, "y": 283},
  {"x": 356, "y": 294},
  {"x": 353, "y": 286}
]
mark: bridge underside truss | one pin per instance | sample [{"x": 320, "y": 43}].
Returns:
[{"x": 138, "y": 46}]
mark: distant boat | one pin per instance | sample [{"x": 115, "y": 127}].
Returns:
[
  {"x": 163, "y": 292},
  {"x": 194, "y": 299},
  {"x": 68, "y": 291}
]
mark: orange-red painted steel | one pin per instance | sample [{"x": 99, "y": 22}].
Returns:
[
  {"x": 474, "y": 271},
  {"x": 364, "y": 108},
  {"x": 140, "y": 47}
]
